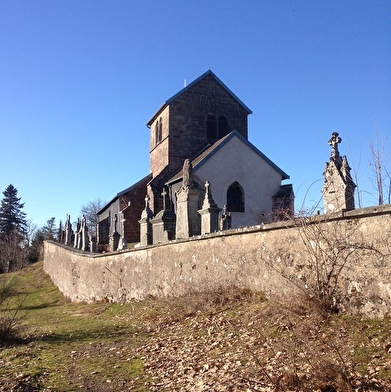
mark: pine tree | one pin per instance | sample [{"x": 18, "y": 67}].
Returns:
[
  {"x": 49, "y": 231},
  {"x": 12, "y": 218}
]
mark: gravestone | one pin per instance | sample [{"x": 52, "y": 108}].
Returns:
[
  {"x": 68, "y": 231},
  {"x": 225, "y": 222},
  {"x": 188, "y": 204},
  {"x": 163, "y": 224},
  {"x": 146, "y": 225},
  {"x": 84, "y": 234},
  {"x": 209, "y": 213},
  {"x": 115, "y": 237}
]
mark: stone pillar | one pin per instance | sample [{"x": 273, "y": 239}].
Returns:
[
  {"x": 209, "y": 213},
  {"x": 84, "y": 235},
  {"x": 77, "y": 235},
  {"x": 92, "y": 243},
  {"x": 84, "y": 240},
  {"x": 146, "y": 225},
  {"x": 188, "y": 204},
  {"x": 68, "y": 231},
  {"x": 338, "y": 188},
  {"x": 163, "y": 224},
  {"x": 61, "y": 234}
]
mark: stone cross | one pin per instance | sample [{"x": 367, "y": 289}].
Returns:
[
  {"x": 115, "y": 220},
  {"x": 164, "y": 193},
  {"x": 147, "y": 198},
  {"x": 333, "y": 142},
  {"x": 207, "y": 185}
]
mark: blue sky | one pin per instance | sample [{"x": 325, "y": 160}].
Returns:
[{"x": 79, "y": 79}]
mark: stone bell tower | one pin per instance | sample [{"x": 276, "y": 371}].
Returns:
[{"x": 338, "y": 187}]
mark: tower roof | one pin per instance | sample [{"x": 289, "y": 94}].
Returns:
[{"x": 189, "y": 86}]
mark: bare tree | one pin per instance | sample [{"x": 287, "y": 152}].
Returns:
[
  {"x": 378, "y": 164},
  {"x": 14, "y": 251},
  {"x": 90, "y": 211},
  {"x": 330, "y": 246},
  {"x": 356, "y": 178}
]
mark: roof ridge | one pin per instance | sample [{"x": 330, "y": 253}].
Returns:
[{"x": 193, "y": 83}]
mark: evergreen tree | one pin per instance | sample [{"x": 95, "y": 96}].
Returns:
[
  {"x": 49, "y": 230},
  {"x": 13, "y": 232},
  {"x": 12, "y": 218},
  {"x": 36, "y": 246}
]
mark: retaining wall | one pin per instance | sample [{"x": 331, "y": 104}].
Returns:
[{"x": 281, "y": 259}]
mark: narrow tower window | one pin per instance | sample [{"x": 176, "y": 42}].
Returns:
[
  {"x": 211, "y": 127},
  {"x": 158, "y": 130},
  {"x": 223, "y": 126}
]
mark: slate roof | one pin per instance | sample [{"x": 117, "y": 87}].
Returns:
[
  {"x": 124, "y": 192},
  {"x": 209, "y": 151},
  {"x": 189, "y": 86}
]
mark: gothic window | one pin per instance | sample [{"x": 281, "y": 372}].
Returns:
[
  {"x": 223, "y": 126},
  {"x": 235, "y": 198},
  {"x": 211, "y": 127}
]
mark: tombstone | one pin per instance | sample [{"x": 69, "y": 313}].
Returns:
[
  {"x": 68, "y": 231},
  {"x": 114, "y": 241},
  {"x": 163, "y": 224},
  {"x": 338, "y": 188},
  {"x": 188, "y": 204},
  {"x": 60, "y": 235},
  {"x": 92, "y": 243},
  {"x": 225, "y": 219},
  {"x": 145, "y": 224},
  {"x": 209, "y": 213},
  {"x": 123, "y": 244},
  {"x": 115, "y": 237},
  {"x": 84, "y": 234},
  {"x": 77, "y": 236}
]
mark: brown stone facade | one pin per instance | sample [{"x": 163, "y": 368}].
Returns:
[
  {"x": 132, "y": 208},
  {"x": 122, "y": 214},
  {"x": 193, "y": 119}
]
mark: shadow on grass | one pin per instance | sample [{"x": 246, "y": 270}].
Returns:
[
  {"x": 35, "y": 307},
  {"x": 108, "y": 334}
]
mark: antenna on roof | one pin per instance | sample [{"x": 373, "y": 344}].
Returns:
[{"x": 184, "y": 83}]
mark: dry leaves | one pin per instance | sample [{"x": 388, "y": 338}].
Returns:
[{"x": 266, "y": 348}]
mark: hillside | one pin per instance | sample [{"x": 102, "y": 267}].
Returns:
[{"x": 231, "y": 340}]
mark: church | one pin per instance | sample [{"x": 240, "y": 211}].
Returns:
[{"x": 203, "y": 169}]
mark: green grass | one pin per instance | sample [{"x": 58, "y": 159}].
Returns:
[{"x": 65, "y": 346}]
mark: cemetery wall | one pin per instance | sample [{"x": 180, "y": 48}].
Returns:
[{"x": 273, "y": 258}]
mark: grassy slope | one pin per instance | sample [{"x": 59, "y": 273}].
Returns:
[{"x": 224, "y": 340}]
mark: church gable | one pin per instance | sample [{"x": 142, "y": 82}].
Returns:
[{"x": 240, "y": 177}]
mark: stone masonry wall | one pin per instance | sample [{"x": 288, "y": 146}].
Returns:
[
  {"x": 273, "y": 258},
  {"x": 188, "y": 118}
]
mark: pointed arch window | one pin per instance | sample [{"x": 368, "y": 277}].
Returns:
[
  {"x": 235, "y": 198},
  {"x": 223, "y": 126}
]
